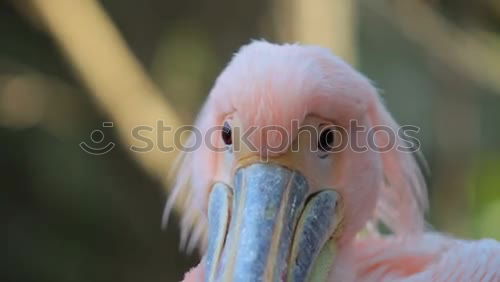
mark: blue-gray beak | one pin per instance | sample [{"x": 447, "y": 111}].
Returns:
[{"x": 267, "y": 227}]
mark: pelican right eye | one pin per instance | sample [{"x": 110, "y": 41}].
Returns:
[{"x": 226, "y": 134}]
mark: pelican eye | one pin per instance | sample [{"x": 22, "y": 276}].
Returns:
[
  {"x": 326, "y": 140},
  {"x": 226, "y": 134}
]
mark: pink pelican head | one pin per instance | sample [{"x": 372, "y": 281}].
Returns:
[{"x": 286, "y": 164}]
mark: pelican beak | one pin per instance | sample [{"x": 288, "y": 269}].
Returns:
[{"x": 268, "y": 226}]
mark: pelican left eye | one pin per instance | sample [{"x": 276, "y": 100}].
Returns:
[
  {"x": 326, "y": 140},
  {"x": 226, "y": 134}
]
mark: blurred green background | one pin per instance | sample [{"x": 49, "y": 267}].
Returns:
[{"x": 71, "y": 216}]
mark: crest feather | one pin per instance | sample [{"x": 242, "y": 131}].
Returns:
[{"x": 402, "y": 199}]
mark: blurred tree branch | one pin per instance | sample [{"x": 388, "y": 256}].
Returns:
[
  {"x": 119, "y": 83},
  {"x": 328, "y": 23},
  {"x": 472, "y": 54}
]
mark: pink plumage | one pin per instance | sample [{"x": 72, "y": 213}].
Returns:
[{"x": 270, "y": 84}]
